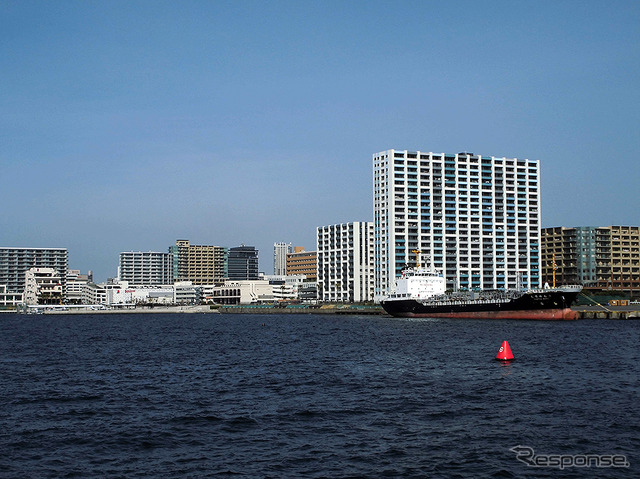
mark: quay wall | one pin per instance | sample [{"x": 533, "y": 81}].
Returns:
[
  {"x": 303, "y": 309},
  {"x": 611, "y": 314}
]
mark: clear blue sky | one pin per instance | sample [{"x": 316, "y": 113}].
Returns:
[{"x": 125, "y": 125}]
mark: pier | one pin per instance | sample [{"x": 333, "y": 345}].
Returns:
[{"x": 608, "y": 312}]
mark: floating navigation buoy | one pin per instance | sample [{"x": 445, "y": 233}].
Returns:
[{"x": 504, "y": 353}]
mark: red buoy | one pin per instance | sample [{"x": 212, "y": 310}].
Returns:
[{"x": 504, "y": 353}]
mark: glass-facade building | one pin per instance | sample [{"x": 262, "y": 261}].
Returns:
[
  {"x": 476, "y": 218},
  {"x": 243, "y": 263}
]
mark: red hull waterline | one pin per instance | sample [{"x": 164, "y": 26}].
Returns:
[{"x": 544, "y": 314}]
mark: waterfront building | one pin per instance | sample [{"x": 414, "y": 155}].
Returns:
[
  {"x": 605, "y": 257},
  {"x": 618, "y": 248},
  {"x": 43, "y": 286},
  {"x": 128, "y": 295},
  {"x": 15, "y": 262},
  {"x": 280, "y": 251},
  {"x": 9, "y": 300},
  {"x": 345, "y": 262},
  {"x": 184, "y": 292},
  {"x": 93, "y": 293},
  {"x": 303, "y": 262},
  {"x": 294, "y": 287},
  {"x": 149, "y": 268},
  {"x": 243, "y": 292},
  {"x": 76, "y": 283},
  {"x": 476, "y": 218},
  {"x": 200, "y": 264},
  {"x": 243, "y": 263},
  {"x": 573, "y": 251}
]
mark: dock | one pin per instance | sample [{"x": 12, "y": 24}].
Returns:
[{"x": 607, "y": 312}]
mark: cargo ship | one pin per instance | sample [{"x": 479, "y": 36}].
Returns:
[{"x": 420, "y": 293}]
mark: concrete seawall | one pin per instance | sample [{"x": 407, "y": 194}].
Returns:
[
  {"x": 139, "y": 310},
  {"x": 608, "y": 314},
  {"x": 345, "y": 309},
  {"x": 612, "y": 312}
]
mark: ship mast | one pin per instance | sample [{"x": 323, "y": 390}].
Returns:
[
  {"x": 417, "y": 253},
  {"x": 554, "y": 267}
]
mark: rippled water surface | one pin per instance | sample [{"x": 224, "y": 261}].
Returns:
[{"x": 312, "y": 396}]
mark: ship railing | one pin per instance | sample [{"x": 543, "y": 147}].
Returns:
[
  {"x": 463, "y": 302},
  {"x": 564, "y": 287}
]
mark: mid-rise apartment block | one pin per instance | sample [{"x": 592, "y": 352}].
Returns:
[
  {"x": 302, "y": 262},
  {"x": 151, "y": 268},
  {"x": 199, "y": 264},
  {"x": 345, "y": 262},
  {"x": 76, "y": 285},
  {"x": 43, "y": 286},
  {"x": 15, "y": 262},
  {"x": 572, "y": 253},
  {"x": 602, "y": 257},
  {"x": 619, "y": 260},
  {"x": 477, "y": 218}
]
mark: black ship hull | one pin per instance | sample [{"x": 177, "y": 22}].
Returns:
[{"x": 539, "y": 304}]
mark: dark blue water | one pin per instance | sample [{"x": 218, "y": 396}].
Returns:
[{"x": 312, "y": 396}]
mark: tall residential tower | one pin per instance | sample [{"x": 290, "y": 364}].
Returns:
[
  {"x": 280, "y": 251},
  {"x": 476, "y": 217}
]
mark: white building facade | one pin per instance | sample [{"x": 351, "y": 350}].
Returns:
[
  {"x": 243, "y": 292},
  {"x": 345, "y": 262},
  {"x": 126, "y": 295},
  {"x": 477, "y": 218},
  {"x": 151, "y": 268},
  {"x": 14, "y": 263},
  {"x": 43, "y": 286},
  {"x": 76, "y": 284},
  {"x": 280, "y": 251},
  {"x": 9, "y": 300}
]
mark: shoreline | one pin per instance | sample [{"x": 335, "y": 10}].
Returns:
[{"x": 613, "y": 312}]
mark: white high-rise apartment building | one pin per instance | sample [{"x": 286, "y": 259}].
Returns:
[
  {"x": 15, "y": 262},
  {"x": 477, "y": 218},
  {"x": 345, "y": 262},
  {"x": 280, "y": 251},
  {"x": 149, "y": 268}
]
